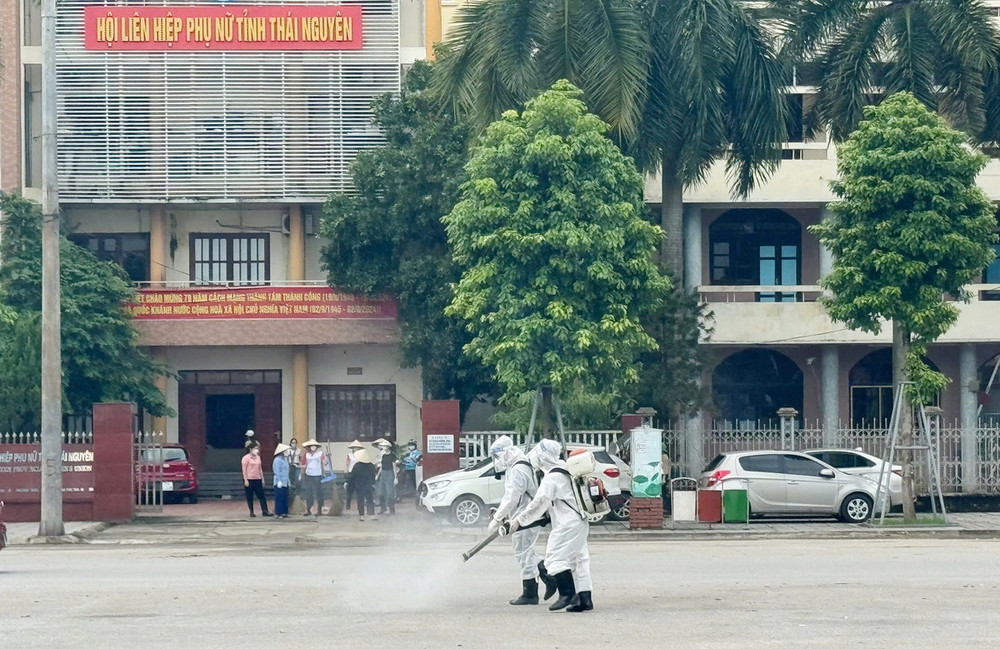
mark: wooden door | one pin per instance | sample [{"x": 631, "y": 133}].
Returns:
[
  {"x": 267, "y": 418},
  {"x": 191, "y": 422}
]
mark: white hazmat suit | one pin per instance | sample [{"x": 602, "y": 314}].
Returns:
[
  {"x": 566, "y": 549},
  {"x": 519, "y": 489}
]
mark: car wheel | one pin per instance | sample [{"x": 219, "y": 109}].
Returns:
[
  {"x": 856, "y": 508},
  {"x": 193, "y": 499},
  {"x": 468, "y": 510},
  {"x": 620, "y": 507}
]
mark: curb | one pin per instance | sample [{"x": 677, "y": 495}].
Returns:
[{"x": 80, "y": 536}]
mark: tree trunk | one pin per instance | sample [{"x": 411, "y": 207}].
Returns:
[
  {"x": 672, "y": 222},
  {"x": 900, "y": 349},
  {"x": 546, "y": 414}
]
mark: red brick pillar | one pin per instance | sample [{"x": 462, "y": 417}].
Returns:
[
  {"x": 646, "y": 514},
  {"x": 114, "y": 474},
  {"x": 441, "y": 426}
]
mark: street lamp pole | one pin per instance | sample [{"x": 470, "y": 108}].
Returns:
[{"x": 51, "y": 523}]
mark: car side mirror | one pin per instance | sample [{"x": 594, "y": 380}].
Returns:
[
  {"x": 827, "y": 473},
  {"x": 498, "y": 476}
]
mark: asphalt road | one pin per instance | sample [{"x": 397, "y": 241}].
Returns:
[{"x": 369, "y": 592}]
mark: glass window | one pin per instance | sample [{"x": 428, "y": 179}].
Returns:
[
  {"x": 32, "y": 124},
  {"x": 843, "y": 460},
  {"x": 768, "y": 463},
  {"x": 348, "y": 412},
  {"x": 798, "y": 465},
  {"x": 233, "y": 259},
  {"x": 756, "y": 247},
  {"x": 992, "y": 276},
  {"x": 128, "y": 250}
]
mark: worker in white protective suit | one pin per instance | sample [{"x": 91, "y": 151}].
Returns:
[
  {"x": 519, "y": 488},
  {"x": 566, "y": 555}
]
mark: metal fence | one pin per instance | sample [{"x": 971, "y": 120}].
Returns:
[
  {"x": 728, "y": 437},
  {"x": 147, "y": 451},
  {"x": 35, "y": 437}
]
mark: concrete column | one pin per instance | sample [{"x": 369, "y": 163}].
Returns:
[
  {"x": 968, "y": 384},
  {"x": 432, "y": 26},
  {"x": 158, "y": 243},
  {"x": 300, "y": 394},
  {"x": 692, "y": 247},
  {"x": 296, "y": 244},
  {"x": 830, "y": 391},
  {"x": 158, "y": 425},
  {"x": 694, "y": 445},
  {"x": 825, "y": 254}
]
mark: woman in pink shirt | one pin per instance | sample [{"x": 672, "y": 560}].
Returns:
[{"x": 253, "y": 481}]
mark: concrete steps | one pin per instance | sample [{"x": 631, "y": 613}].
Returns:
[{"x": 227, "y": 485}]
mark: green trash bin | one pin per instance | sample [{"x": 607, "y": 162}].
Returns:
[{"x": 734, "y": 506}]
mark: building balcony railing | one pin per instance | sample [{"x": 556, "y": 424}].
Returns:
[{"x": 760, "y": 315}]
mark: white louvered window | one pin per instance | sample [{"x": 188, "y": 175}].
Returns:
[
  {"x": 232, "y": 259},
  {"x": 218, "y": 126}
]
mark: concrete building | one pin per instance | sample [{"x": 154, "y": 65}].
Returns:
[{"x": 196, "y": 147}]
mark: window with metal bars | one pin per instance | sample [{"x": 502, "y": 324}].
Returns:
[
  {"x": 348, "y": 412},
  {"x": 233, "y": 259}
]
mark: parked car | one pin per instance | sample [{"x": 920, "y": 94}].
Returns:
[
  {"x": 468, "y": 494},
  {"x": 175, "y": 475},
  {"x": 787, "y": 482},
  {"x": 857, "y": 462}
]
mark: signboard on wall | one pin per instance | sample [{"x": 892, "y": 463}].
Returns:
[
  {"x": 440, "y": 443},
  {"x": 21, "y": 472},
  {"x": 256, "y": 303},
  {"x": 223, "y": 27}
]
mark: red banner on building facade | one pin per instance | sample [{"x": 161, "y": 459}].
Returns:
[
  {"x": 223, "y": 27},
  {"x": 257, "y": 303},
  {"x": 21, "y": 472}
]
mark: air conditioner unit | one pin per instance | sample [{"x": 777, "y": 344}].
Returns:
[{"x": 307, "y": 220}]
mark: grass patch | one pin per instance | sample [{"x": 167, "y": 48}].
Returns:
[{"x": 920, "y": 521}]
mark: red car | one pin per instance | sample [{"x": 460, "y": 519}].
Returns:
[{"x": 168, "y": 467}]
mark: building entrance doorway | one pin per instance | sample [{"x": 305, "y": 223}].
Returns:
[
  {"x": 227, "y": 419},
  {"x": 217, "y": 407}
]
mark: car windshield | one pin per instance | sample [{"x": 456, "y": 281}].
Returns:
[
  {"x": 480, "y": 464},
  {"x": 164, "y": 455}
]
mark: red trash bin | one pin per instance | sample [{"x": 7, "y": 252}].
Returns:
[{"x": 709, "y": 506}]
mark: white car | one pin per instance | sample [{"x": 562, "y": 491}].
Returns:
[
  {"x": 857, "y": 462},
  {"x": 468, "y": 494}
]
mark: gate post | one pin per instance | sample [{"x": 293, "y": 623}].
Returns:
[
  {"x": 114, "y": 474},
  {"x": 787, "y": 428}
]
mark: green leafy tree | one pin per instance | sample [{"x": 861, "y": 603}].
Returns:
[
  {"x": 911, "y": 228},
  {"x": 555, "y": 252},
  {"x": 388, "y": 237},
  {"x": 944, "y": 52},
  {"x": 101, "y": 360},
  {"x": 683, "y": 83}
]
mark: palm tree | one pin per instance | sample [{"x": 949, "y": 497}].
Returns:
[
  {"x": 944, "y": 52},
  {"x": 682, "y": 83}
]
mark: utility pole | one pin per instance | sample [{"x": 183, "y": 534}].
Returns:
[{"x": 52, "y": 510}]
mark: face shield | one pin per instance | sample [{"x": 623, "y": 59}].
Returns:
[
  {"x": 498, "y": 453},
  {"x": 547, "y": 454}
]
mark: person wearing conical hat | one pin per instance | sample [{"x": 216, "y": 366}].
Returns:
[
  {"x": 313, "y": 461},
  {"x": 351, "y": 461},
  {"x": 361, "y": 480},
  {"x": 280, "y": 468}
]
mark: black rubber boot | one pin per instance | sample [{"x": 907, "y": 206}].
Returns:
[
  {"x": 548, "y": 580},
  {"x": 564, "y": 582},
  {"x": 529, "y": 593},
  {"x": 582, "y": 602}
]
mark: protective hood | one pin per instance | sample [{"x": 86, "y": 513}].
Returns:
[
  {"x": 498, "y": 451},
  {"x": 548, "y": 455}
]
